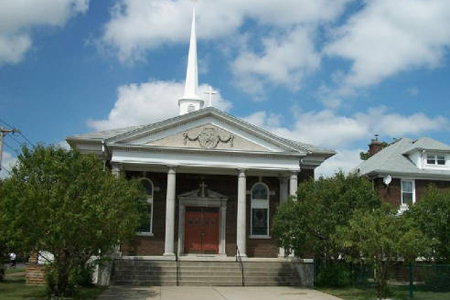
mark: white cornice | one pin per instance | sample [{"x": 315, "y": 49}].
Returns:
[{"x": 206, "y": 152}]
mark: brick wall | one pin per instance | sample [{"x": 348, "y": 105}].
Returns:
[
  {"x": 392, "y": 193},
  {"x": 34, "y": 274},
  {"x": 224, "y": 184}
]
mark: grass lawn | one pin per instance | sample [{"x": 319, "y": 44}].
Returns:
[
  {"x": 368, "y": 293},
  {"x": 14, "y": 288}
]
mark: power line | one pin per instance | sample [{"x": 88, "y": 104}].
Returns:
[
  {"x": 26, "y": 139},
  {"x": 6, "y": 169},
  {"x": 9, "y": 125},
  {"x": 4, "y": 132},
  {"x": 18, "y": 142},
  {"x": 13, "y": 149}
]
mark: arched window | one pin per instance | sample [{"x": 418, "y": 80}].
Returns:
[
  {"x": 147, "y": 225},
  {"x": 259, "y": 210},
  {"x": 191, "y": 108}
]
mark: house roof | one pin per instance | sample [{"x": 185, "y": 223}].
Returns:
[
  {"x": 393, "y": 160},
  {"x": 124, "y": 134},
  {"x": 426, "y": 143}
]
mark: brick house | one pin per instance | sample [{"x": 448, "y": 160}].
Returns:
[
  {"x": 402, "y": 171},
  {"x": 213, "y": 181}
]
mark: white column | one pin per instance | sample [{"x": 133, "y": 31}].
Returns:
[
  {"x": 170, "y": 212},
  {"x": 293, "y": 184},
  {"x": 223, "y": 228},
  {"x": 284, "y": 194},
  {"x": 241, "y": 213},
  {"x": 116, "y": 170}
]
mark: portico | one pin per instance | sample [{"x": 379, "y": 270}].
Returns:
[{"x": 187, "y": 190}]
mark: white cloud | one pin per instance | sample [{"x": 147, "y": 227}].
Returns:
[
  {"x": 137, "y": 26},
  {"x": 64, "y": 145},
  {"x": 394, "y": 125},
  {"x": 285, "y": 60},
  {"x": 344, "y": 160},
  {"x": 413, "y": 91},
  {"x": 17, "y": 18},
  {"x": 149, "y": 102},
  {"x": 387, "y": 37},
  {"x": 8, "y": 162},
  {"x": 327, "y": 129}
]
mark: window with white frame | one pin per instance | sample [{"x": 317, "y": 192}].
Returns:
[
  {"x": 408, "y": 192},
  {"x": 436, "y": 159},
  {"x": 146, "y": 226},
  {"x": 259, "y": 210}
]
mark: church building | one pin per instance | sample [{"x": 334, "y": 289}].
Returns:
[{"x": 213, "y": 180}]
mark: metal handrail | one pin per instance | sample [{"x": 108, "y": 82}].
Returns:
[
  {"x": 239, "y": 258},
  {"x": 178, "y": 267}
]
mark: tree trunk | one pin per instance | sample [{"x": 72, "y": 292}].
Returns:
[
  {"x": 381, "y": 280},
  {"x": 2, "y": 271}
]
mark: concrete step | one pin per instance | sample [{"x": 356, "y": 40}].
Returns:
[{"x": 198, "y": 273}]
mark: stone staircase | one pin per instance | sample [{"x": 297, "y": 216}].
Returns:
[{"x": 203, "y": 273}]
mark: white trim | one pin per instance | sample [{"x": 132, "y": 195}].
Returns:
[
  {"x": 210, "y": 160},
  {"x": 210, "y": 120},
  {"x": 413, "y": 183},
  {"x": 149, "y": 201},
  {"x": 144, "y": 234},
  {"x": 260, "y": 204},
  {"x": 435, "y": 165},
  {"x": 260, "y": 237},
  {"x": 192, "y": 200}
]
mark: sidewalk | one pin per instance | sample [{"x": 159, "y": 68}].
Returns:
[{"x": 212, "y": 293}]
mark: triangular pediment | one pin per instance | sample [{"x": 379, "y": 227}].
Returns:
[{"x": 208, "y": 129}]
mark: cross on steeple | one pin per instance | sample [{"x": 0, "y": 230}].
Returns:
[{"x": 210, "y": 92}]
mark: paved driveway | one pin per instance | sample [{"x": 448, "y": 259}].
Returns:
[{"x": 212, "y": 293}]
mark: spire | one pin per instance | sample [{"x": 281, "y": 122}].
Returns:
[{"x": 190, "y": 100}]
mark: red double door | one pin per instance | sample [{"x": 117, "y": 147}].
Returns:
[{"x": 201, "y": 230}]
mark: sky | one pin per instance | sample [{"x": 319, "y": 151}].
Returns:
[{"x": 332, "y": 73}]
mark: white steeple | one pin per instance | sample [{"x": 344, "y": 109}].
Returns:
[{"x": 190, "y": 100}]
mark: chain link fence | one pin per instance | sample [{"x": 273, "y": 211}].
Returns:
[
  {"x": 422, "y": 277},
  {"x": 414, "y": 281}
]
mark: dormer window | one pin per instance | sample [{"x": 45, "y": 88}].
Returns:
[{"x": 437, "y": 160}]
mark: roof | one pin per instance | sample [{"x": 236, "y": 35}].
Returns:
[
  {"x": 103, "y": 135},
  {"x": 112, "y": 136},
  {"x": 393, "y": 160},
  {"x": 426, "y": 143}
]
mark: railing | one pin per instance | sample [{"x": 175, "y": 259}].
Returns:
[
  {"x": 239, "y": 258},
  {"x": 177, "y": 261}
]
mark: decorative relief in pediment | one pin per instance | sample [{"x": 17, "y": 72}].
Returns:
[{"x": 208, "y": 138}]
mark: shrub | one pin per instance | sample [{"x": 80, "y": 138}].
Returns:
[{"x": 334, "y": 275}]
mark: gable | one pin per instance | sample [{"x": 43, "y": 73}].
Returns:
[
  {"x": 189, "y": 130},
  {"x": 208, "y": 136}
]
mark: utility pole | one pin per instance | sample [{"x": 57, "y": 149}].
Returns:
[{"x": 3, "y": 133}]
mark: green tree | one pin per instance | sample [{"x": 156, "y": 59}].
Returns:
[
  {"x": 380, "y": 238},
  {"x": 432, "y": 216},
  {"x": 66, "y": 203},
  {"x": 307, "y": 225}
]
